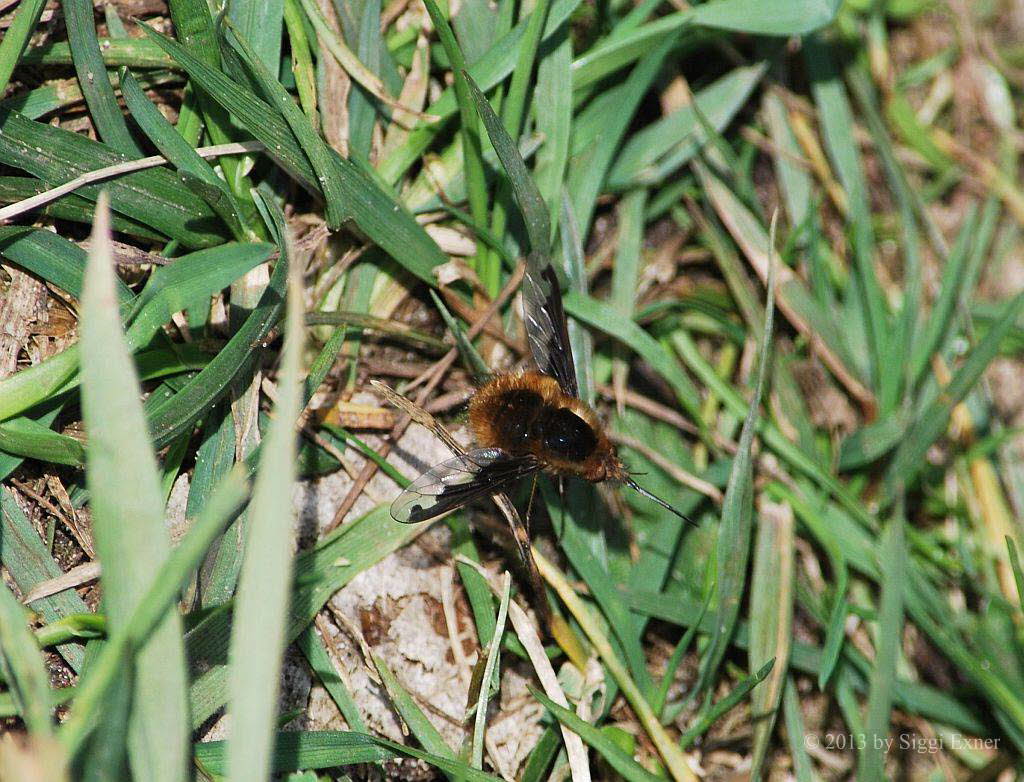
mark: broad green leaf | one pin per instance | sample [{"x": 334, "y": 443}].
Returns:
[
  {"x": 154, "y": 196},
  {"x": 25, "y": 437},
  {"x": 128, "y": 521},
  {"x": 375, "y": 212}
]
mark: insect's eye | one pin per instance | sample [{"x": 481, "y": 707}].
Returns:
[{"x": 568, "y": 435}]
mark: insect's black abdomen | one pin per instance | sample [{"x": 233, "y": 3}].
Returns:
[
  {"x": 514, "y": 415},
  {"x": 565, "y": 434}
]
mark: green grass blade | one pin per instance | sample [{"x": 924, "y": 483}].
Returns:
[
  {"x": 302, "y": 59},
  {"x": 13, "y": 44},
  {"x": 487, "y": 72},
  {"x": 71, "y": 207},
  {"x": 258, "y": 635},
  {"x": 929, "y": 702},
  {"x": 794, "y": 181},
  {"x": 25, "y": 437},
  {"x": 608, "y": 749},
  {"x": 576, "y": 276},
  {"x": 260, "y": 23},
  {"x": 654, "y": 153},
  {"x": 413, "y": 716},
  {"x": 301, "y": 749},
  {"x": 8, "y": 462},
  {"x": 626, "y": 272},
  {"x": 362, "y": 109},
  {"x": 53, "y": 258},
  {"x": 359, "y": 544},
  {"x": 155, "y": 196},
  {"x": 797, "y": 734},
  {"x": 588, "y": 170},
  {"x": 937, "y": 324},
  {"x": 116, "y": 52},
  {"x": 22, "y": 665},
  {"x": 577, "y": 541},
  {"x": 779, "y": 17},
  {"x": 192, "y": 277},
  {"x": 170, "y": 289},
  {"x": 528, "y": 197},
  {"x": 1018, "y": 574},
  {"x": 837, "y": 128},
  {"x": 553, "y": 110},
  {"x": 773, "y": 17},
  {"x": 28, "y": 561},
  {"x": 888, "y": 641},
  {"x": 908, "y": 461},
  {"x": 726, "y": 704},
  {"x": 490, "y": 677},
  {"x": 315, "y": 148},
  {"x": 733, "y": 548},
  {"x": 234, "y": 360},
  {"x": 312, "y": 646},
  {"x": 472, "y": 156},
  {"x": 128, "y": 520},
  {"x": 376, "y": 213},
  {"x": 160, "y": 597},
  {"x": 328, "y": 749},
  {"x": 540, "y": 758},
  {"x": 602, "y": 317},
  {"x": 794, "y": 299},
  {"x": 178, "y": 151},
  {"x": 92, "y": 78},
  {"x": 905, "y": 333},
  {"x": 660, "y": 697},
  {"x": 771, "y": 620}
]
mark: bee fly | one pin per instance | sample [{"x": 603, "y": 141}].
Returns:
[{"x": 525, "y": 423}]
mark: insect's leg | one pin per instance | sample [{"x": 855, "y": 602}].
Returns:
[
  {"x": 561, "y": 498},
  {"x": 521, "y": 535},
  {"x": 529, "y": 504}
]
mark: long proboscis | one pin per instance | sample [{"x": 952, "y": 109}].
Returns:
[{"x": 643, "y": 492}]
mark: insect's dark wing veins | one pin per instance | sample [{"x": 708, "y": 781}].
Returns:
[
  {"x": 455, "y": 482},
  {"x": 546, "y": 327}
]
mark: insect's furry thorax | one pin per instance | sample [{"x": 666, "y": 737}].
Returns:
[{"x": 503, "y": 412}]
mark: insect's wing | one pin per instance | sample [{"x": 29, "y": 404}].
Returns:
[
  {"x": 546, "y": 328},
  {"x": 455, "y": 482}
]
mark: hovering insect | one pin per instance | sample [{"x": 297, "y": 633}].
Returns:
[{"x": 525, "y": 423}]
